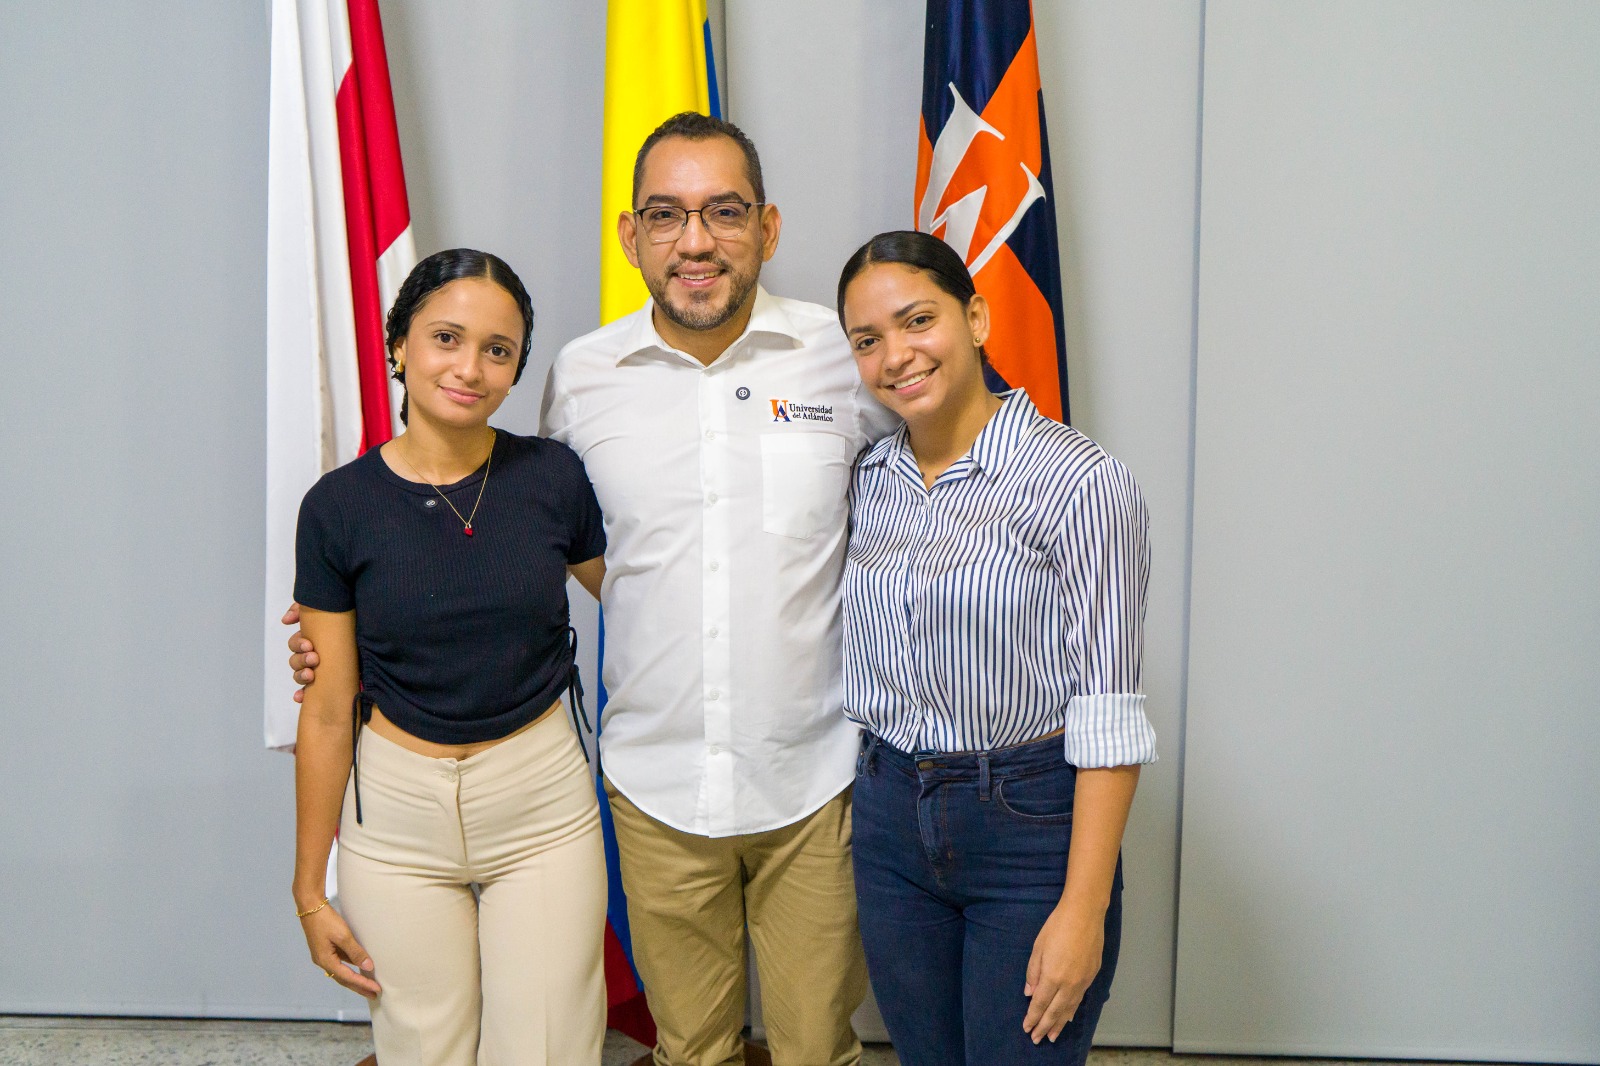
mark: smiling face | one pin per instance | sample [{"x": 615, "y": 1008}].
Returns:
[
  {"x": 460, "y": 353},
  {"x": 916, "y": 345},
  {"x": 701, "y": 284}
]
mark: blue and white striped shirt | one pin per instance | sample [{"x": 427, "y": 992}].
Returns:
[{"x": 1003, "y": 604}]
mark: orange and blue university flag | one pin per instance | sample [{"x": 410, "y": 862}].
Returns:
[{"x": 983, "y": 183}]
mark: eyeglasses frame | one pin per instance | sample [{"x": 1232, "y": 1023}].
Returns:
[{"x": 638, "y": 213}]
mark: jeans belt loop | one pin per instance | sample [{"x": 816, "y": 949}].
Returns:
[
  {"x": 869, "y": 753},
  {"x": 983, "y": 777}
]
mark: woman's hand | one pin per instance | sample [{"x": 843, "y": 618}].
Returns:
[
  {"x": 1069, "y": 950},
  {"x": 1066, "y": 957},
  {"x": 334, "y": 948}
]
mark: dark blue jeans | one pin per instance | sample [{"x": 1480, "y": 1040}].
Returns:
[{"x": 959, "y": 859}]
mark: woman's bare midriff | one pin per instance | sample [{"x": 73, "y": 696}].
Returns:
[{"x": 389, "y": 731}]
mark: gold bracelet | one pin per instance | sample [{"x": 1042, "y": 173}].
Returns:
[{"x": 313, "y": 910}]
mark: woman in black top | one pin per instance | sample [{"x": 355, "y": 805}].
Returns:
[{"x": 431, "y": 573}]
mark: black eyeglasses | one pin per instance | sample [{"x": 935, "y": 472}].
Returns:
[{"x": 725, "y": 218}]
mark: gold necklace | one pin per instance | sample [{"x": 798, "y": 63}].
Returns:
[{"x": 466, "y": 520}]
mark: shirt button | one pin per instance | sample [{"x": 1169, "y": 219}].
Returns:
[
  {"x": 711, "y": 434},
  {"x": 712, "y": 632},
  {"x": 712, "y": 749},
  {"x": 716, "y": 566},
  {"x": 714, "y": 695},
  {"x": 711, "y": 497}
]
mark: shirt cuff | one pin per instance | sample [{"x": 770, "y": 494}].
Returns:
[{"x": 1109, "y": 729}]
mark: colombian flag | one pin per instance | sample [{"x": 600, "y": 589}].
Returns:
[
  {"x": 658, "y": 63},
  {"x": 983, "y": 183}
]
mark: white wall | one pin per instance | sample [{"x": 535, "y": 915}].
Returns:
[{"x": 1390, "y": 805}]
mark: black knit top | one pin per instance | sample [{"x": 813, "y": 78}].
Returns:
[{"x": 462, "y": 638}]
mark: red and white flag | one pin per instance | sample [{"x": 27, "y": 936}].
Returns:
[{"x": 338, "y": 246}]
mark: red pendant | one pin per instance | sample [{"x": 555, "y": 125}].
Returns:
[{"x": 467, "y": 530}]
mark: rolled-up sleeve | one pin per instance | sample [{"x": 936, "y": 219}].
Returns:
[{"x": 1104, "y": 558}]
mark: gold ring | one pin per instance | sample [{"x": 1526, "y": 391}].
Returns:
[{"x": 328, "y": 973}]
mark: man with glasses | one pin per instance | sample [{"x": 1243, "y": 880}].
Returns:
[{"x": 718, "y": 424}]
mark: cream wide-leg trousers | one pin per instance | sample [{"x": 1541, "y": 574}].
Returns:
[{"x": 479, "y": 887}]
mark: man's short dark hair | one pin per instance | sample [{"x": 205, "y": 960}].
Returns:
[{"x": 693, "y": 126}]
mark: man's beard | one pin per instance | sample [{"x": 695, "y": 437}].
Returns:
[{"x": 700, "y": 315}]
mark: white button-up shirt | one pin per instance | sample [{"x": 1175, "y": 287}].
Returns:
[{"x": 724, "y": 494}]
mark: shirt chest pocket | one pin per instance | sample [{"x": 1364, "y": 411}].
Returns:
[{"x": 804, "y": 477}]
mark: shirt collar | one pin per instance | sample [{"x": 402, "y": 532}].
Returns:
[
  {"x": 998, "y": 440},
  {"x": 994, "y": 446},
  {"x": 887, "y": 450},
  {"x": 767, "y": 317}
]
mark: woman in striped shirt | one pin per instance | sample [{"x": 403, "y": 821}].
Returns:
[{"x": 994, "y": 599}]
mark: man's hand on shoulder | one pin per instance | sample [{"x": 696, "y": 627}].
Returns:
[{"x": 303, "y": 657}]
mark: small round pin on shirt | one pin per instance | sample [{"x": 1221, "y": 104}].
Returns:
[{"x": 742, "y": 392}]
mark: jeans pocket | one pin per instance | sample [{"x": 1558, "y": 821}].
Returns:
[{"x": 1040, "y": 798}]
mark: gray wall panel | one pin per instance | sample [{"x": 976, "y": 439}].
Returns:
[
  {"x": 830, "y": 92},
  {"x": 1389, "y": 805},
  {"x": 144, "y": 852},
  {"x": 1122, "y": 97},
  {"x": 500, "y": 105}
]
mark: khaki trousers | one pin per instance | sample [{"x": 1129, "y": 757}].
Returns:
[
  {"x": 690, "y": 900},
  {"x": 479, "y": 887}
]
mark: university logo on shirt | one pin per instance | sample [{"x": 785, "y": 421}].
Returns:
[{"x": 795, "y": 411}]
